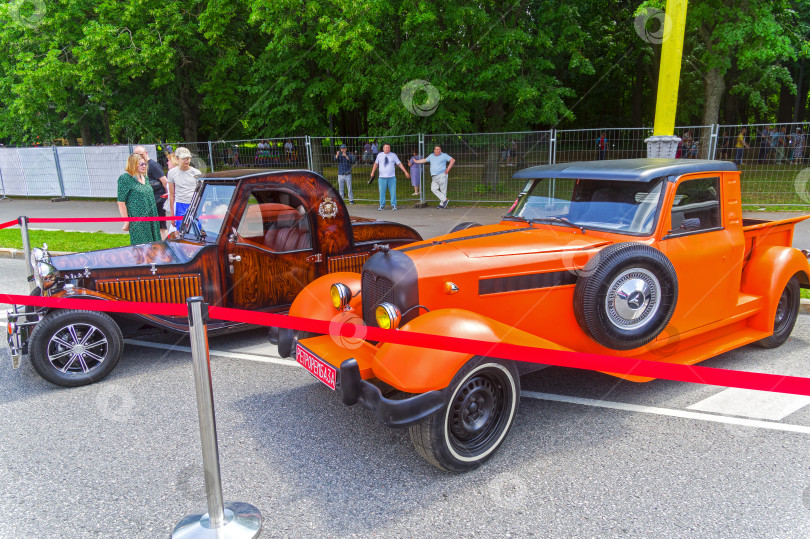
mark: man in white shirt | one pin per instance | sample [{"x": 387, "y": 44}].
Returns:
[
  {"x": 388, "y": 161},
  {"x": 440, "y": 165}
]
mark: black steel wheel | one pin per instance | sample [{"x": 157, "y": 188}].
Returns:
[
  {"x": 483, "y": 402},
  {"x": 787, "y": 311},
  {"x": 74, "y": 348}
]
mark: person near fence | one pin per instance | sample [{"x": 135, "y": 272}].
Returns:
[
  {"x": 288, "y": 150},
  {"x": 182, "y": 182},
  {"x": 345, "y": 162},
  {"x": 388, "y": 161},
  {"x": 157, "y": 180},
  {"x": 798, "y": 147},
  {"x": 762, "y": 143},
  {"x": 374, "y": 149},
  {"x": 440, "y": 165},
  {"x": 782, "y": 151},
  {"x": 740, "y": 146},
  {"x": 136, "y": 199},
  {"x": 416, "y": 171},
  {"x": 601, "y": 145},
  {"x": 367, "y": 153}
]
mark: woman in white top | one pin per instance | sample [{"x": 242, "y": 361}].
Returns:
[{"x": 181, "y": 180}]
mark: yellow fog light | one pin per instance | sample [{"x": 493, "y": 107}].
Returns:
[
  {"x": 341, "y": 295},
  {"x": 388, "y": 316}
]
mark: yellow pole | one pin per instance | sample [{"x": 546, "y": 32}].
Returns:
[{"x": 670, "y": 72}]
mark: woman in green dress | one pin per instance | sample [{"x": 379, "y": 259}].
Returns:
[{"x": 136, "y": 199}]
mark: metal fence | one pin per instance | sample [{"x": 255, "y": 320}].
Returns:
[{"x": 773, "y": 159}]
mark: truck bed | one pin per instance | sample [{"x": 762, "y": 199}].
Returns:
[{"x": 761, "y": 232}]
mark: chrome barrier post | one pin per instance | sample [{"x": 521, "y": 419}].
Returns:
[
  {"x": 26, "y": 241},
  {"x": 222, "y": 521}
]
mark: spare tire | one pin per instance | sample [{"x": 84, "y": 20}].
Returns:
[{"x": 625, "y": 295}]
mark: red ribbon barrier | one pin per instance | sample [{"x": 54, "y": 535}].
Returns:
[
  {"x": 8, "y": 224},
  {"x": 98, "y": 219},
  {"x": 615, "y": 364}
]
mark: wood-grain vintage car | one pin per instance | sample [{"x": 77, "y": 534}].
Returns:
[
  {"x": 251, "y": 240},
  {"x": 646, "y": 258}
]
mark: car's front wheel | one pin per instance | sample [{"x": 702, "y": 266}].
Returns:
[
  {"x": 484, "y": 397},
  {"x": 74, "y": 348}
]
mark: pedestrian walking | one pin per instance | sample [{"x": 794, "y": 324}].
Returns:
[
  {"x": 388, "y": 161},
  {"x": 345, "y": 162},
  {"x": 601, "y": 145},
  {"x": 440, "y": 165},
  {"x": 416, "y": 171},
  {"x": 182, "y": 181},
  {"x": 157, "y": 180},
  {"x": 740, "y": 147},
  {"x": 136, "y": 199}
]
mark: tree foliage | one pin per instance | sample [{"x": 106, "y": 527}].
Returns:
[{"x": 210, "y": 69}]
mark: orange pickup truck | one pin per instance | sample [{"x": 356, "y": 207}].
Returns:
[{"x": 645, "y": 258}]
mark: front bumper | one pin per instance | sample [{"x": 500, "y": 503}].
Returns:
[
  {"x": 353, "y": 389},
  {"x": 18, "y": 330},
  {"x": 390, "y": 412}
]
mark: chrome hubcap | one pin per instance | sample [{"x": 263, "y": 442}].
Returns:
[
  {"x": 77, "y": 348},
  {"x": 633, "y": 298}
]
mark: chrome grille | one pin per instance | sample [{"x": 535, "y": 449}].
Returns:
[
  {"x": 153, "y": 289},
  {"x": 348, "y": 262},
  {"x": 376, "y": 289}
]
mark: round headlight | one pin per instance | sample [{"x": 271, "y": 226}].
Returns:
[
  {"x": 388, "y": 316},
  {"x": 47, "y": 275},
  {"x": 341, "y": 295},
  {"x": 37, "y": 254}
]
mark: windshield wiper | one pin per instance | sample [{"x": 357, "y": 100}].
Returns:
[{"x": 556, "y": 220}]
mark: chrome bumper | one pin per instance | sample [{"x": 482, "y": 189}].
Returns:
[{"x": 18, "y": 330}]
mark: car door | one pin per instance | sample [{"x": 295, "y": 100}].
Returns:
[
  {"x": 707, "y": 255},
  {"x": 270, "y": 258}
]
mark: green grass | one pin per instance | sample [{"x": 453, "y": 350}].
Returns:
[
  {"x": 58, "y": 240},
  {"x": 805, "y": 293}
]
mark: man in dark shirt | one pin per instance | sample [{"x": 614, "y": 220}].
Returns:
[
  {"x": 345, "y": 161},
  {"x": 157, "y": 179}
]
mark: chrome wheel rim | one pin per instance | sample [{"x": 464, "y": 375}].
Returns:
[
  {"x": 633, "y": 299},
  {"x": 77, "y": 348}
]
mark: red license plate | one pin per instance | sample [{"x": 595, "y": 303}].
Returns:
[{"x": 320, "y": 369}]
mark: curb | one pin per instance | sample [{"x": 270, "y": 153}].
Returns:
[
  {"x": 804, "y": 306},
  {"x": 19, "y": 254}
]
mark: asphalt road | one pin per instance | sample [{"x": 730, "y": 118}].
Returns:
[{"x": 589, "y": 455}]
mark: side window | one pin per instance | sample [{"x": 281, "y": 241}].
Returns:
[
  {"x": 276, "y": 221},
  {"x": 696, "y": 206}
]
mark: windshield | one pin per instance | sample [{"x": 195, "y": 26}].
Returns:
[
  {"x": 210, "y": 212},
  {"x": 615, "y": 206}
]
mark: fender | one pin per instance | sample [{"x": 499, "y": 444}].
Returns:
[
  {"x": 766, "y": 274},
  {"x": 314, "y": 301},
  {"x": 417, "y": 370}
]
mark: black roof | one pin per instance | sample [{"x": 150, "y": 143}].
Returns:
[{"x": 635, "y": 170}]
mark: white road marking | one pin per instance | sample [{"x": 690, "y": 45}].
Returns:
[
  {"x": 532, "y": 394},
  {"x": 752, "y": 403},
  {"x": 668, "y": 412},
  {"x": 220, "y": 353}
]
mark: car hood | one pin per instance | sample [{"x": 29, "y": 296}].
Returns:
[
  {"x": 510, "y": 239},
  {"x": 159, "y": 253}
]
